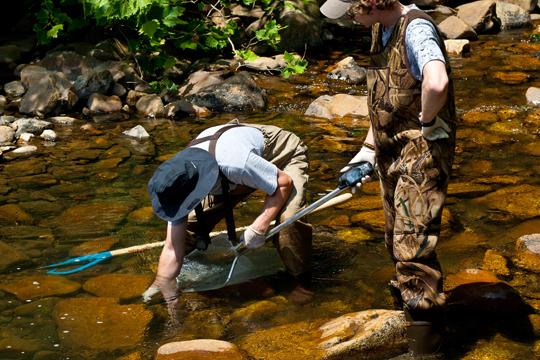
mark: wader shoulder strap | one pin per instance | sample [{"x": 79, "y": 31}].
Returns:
[{"x": 227, "y": 202}]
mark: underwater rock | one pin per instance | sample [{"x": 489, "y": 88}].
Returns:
[
  {"x": 100, "y": 323},
  {"x": 122, "y": 286},
  {"x": 528, "y": 252},
  {"x": 200, "y": 349},
  {"x": 39, "y": 286},
  {"x": 496, "y": 263}
]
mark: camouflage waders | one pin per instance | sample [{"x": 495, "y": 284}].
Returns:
[{"x": 413, "y": 171}]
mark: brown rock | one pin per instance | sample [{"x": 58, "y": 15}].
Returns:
[
  {"x": 512, "y": 77},
  {"x": 298, "y": 341},
  {"x": 38, "y": 286},
  {"x": 528, "y": 252},
  {"x": 11, "y": 214},
  {"x": 496, "y": 263},
  {"x": 469, "y": 276},
  {"x": 365, "y": 334},
  {"x": 94, "y": 246},
  {"x": 94, "y": 218},
  {"x": 100, "y": 324},
  {"x": 143, "y": 215},
  {"x": 10, "y": 256},
  {"x": 477, "y": 117},
  {"x": 200, "y": 349},
  {"x": 354, "y": 235},
  {"x": 522, "y": 201},
  {"x": 122, "y": 286}
]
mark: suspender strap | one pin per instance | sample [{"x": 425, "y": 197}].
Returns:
[
  {"x": 202, "y": 234},
  {"x": 229, "y": 216},
  {"x": 213, "y": 138}
]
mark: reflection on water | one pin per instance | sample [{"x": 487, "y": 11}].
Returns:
[{"x": 88, "y": 191}]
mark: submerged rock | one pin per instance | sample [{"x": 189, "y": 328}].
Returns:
[
  {"x": 100, "y": 324},
  {"x": 122, "y": 286},
  {"x": 39, "y": 286},
  {"x": 528, "y": 252},
  {"x": 200, "y": 349},
  {"x": 522, "y": 201}
]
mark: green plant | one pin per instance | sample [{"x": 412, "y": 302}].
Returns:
[
  {"x": 156, "y": 29},
  {"x": 295, "y": 65},
  {"x": 534, "y": 37}
]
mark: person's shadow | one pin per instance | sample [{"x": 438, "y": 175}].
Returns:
[{"x": 480, "y": 311}]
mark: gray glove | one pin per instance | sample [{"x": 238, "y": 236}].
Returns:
[
  {"x": 365, "y": 154},
  {"x": 435, "y": 129},
  {"x": 252, "y": 238}
]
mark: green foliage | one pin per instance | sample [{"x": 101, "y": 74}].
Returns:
[
  {"x": 155, "y": 28},
  {"x": 534, "y": 37},
  {"x": 163, "y": 85},
  {"x": 246, "y": 54},
  {"x": 295, "y": 65}
]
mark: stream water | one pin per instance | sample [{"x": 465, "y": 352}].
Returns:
[{"x": 88, "y": 190}]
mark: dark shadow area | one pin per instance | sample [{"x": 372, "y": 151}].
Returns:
[{"x": 481, "y": 310}]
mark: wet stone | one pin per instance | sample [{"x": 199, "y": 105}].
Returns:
[
  {"x": 362, "y": 202},
  {"x": 93, "y": 219},
  {"x": 25, "y": 232},
  {"x": 525, "y": 228},
  {"x": 333, "y": 221},
  {"x": 480, "y": 137},
  {"x": 11, "y": 214},
  {"x": 373, "y": 219},
  {"x": 528, "y": 252},
  {"x": 468, "y": 276},
  {"x": 205, "y": 324},
  {"x": 33, "y": 181},
  {"x": 298, "y": 341},
  {"x": 122, "y": 286},
  {"x": 200, "y": 349},
  {"x": 93, "y": 246},
  {"x": 374, "y": 333},
  {"x": 12, "y": 346},
  {"x": 43, "y": 307},
  {"x": 100, "y": 324},
  {"x": 24, "y": 168},
  {"x": 496, "y": 263},
  {"x": 467, "y": 189},
  {"x": 511, "y": 127},
  {"x": 479, "y": 117},
  {"x": 522, "y": 201},
  {"x": 39, "y": 286},
  {"x": 258, "y": 311},
  {"x": 85, "y": 155},
  {"x": 143, "y": 215},
  {"x": 10, "y": 256},
  {"x": 512, "y": 77},
  {"x": 354, "y": 235}
]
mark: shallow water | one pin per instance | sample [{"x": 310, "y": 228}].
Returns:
[{"x": 93, "y": 186}]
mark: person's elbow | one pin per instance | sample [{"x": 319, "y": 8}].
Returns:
[
  {"x": 285, "y": 182},
  {"x": 435, "y": 78}
]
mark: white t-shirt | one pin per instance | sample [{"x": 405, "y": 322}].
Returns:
[
  {"x": 421, "y": 42},
  {"x": 239, "y": 156}
]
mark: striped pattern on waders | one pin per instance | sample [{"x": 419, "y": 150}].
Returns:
[{"x": 413, "y": 171}]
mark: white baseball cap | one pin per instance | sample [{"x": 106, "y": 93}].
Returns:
[{"x": 335, "y": 9}]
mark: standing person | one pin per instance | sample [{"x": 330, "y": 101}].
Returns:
[
  {"x": 217, "y": 170},
  {"x": 412, "y": 141}
]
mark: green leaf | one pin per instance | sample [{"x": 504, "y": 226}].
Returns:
[
  {"x": 188, "y": 44},
  {"x": 53, "y": 32},
  {"x": 149, "y": 28},
  {"x": 247, "y": 55}
]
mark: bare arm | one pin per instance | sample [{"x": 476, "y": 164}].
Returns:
[
  {"x": 434, "y": 89},
  {"x": 172, "y": 255},
  {"x": 273, "y": 203}
]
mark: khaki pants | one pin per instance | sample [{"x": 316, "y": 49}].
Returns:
[{"x": 285, "y": 150}]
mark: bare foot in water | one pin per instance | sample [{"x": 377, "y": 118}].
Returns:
[{"x": 301, "y": 296}]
